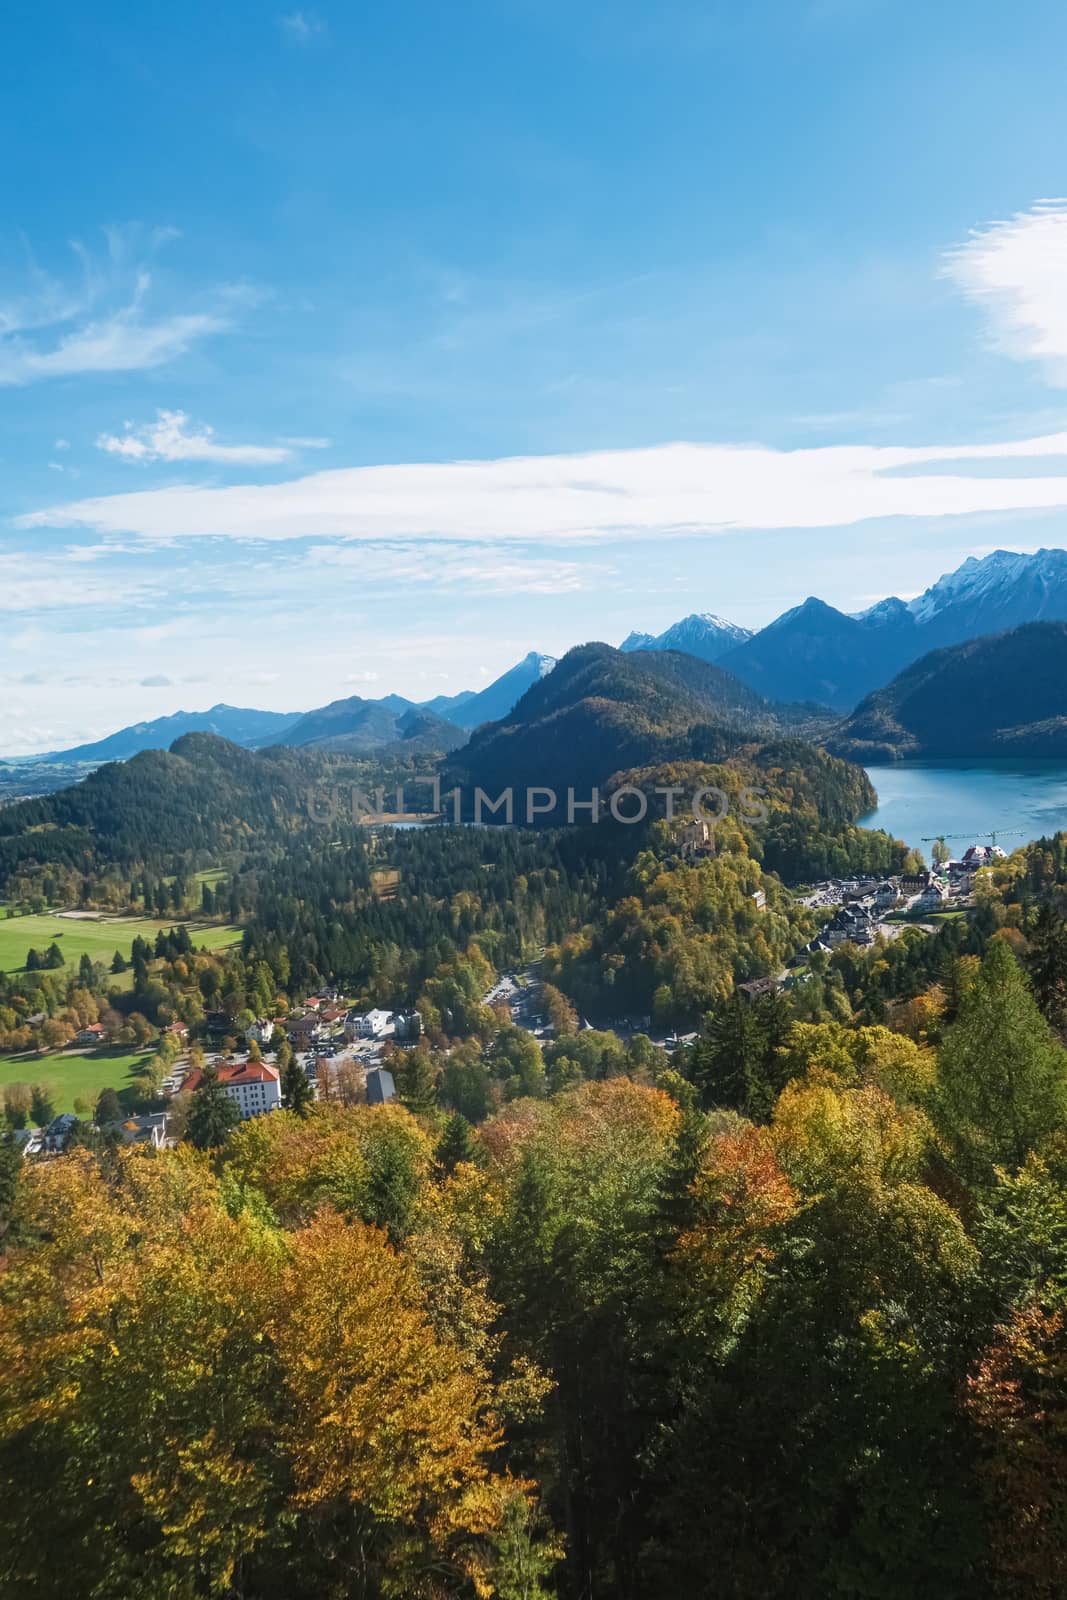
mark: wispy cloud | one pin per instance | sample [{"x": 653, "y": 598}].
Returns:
[
  {"x": 301, "y": 26},
  {"x": 485, "y": 569},
  {"x": 108, "y": 323},
  {"x": 173, "y": 438},
  {"x": 1016, "y": 273},
  {"x": 29, "y": 585},
  {"x": 672, "y": 489}
]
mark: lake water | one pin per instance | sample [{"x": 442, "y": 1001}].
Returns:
[{"x": 1021, "y": 800}]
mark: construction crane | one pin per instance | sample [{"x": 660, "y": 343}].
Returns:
[{"x": 940, "y": 838}]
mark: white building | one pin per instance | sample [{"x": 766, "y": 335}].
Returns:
[
  {"x": 255, "y": 1086},
  {"x": 261, "y": 1031},
  {"x": 374, "y": 1024}
]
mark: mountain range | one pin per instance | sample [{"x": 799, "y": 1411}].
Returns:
[
  {"x": 815, "y": 652},
  {"x": 354, "y": 724},
  {"x": 812, "y": 653},
  {"x": 235, "y": 723}
]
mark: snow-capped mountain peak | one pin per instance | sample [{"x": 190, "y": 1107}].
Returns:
[
  {"x": 987, "y": 580},
  {"x": 701, "y": 634}
]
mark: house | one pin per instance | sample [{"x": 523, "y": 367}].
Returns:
[
  {"x": 260, "y": 1032},
  {"x": 934, "y": 896},
  {"x": 817, "y": 947},
  {"x": 179, "y": 1031},
  {"x": 758, "y": 988},
  {"x": 913, "y": 882},
  {"x": 886, "y": 894},
  {"x": 375, "y": 1024},
  {"x": 56, "y": 1136},
  {"x": 95, "y": 1033},
  {"x": 851, "y": 925},
  {"x": 407, "y": 1025},
  {"x": 759, "y": 899},
  {"x": 981, "y": 855},
  {"x": 255, "y": 1086},
  {"x": 380, "y": 1086},
  {"x": 150, "y": 1129},
  {"x": 305, "y": 1030}
]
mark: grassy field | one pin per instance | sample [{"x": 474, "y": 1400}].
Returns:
[
  {"x": 97, "y": 939},
  {"x": 70, "y": 1076}
]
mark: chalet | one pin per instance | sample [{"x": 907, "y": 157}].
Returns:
[
  {"x": 95, "y": 1033},
  {"x": 886, "y": 894},
  {"x": 179, "y": 1031},
  {"x": 759, "y": 899},
  {"x": 261, "y": 1031},
  {"x": 913, "y": 882}
]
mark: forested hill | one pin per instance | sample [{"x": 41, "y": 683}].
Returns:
[
  {"x": 203, "y": 794},
  {"x": 1005, "y": 694},
  {"x": 602, "y": 711}
]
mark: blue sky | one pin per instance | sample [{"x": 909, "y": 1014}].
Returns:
[{"x": 353, "y": 349}]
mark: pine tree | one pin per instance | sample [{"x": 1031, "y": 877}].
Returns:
[
  {"x": 42, "y": 1110},
  {"x": 213, "y": 1113},
  {"x": 455, "y": 1145},
  {"x": 1047, "y": 965},
  {"x": 297, "y": 1093},
  {"x": 1002, "y": 1076}
]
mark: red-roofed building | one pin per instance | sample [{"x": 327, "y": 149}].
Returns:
[{"x": 254, "y": 1085}]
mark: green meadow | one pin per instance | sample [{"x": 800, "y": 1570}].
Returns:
[
  {"x": 69, "y": 1076},
  {"x": 96, "y": 938}
]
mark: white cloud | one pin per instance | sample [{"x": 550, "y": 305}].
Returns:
[
  {"x": 673, "y": 489},
  {"x": 1016, "y": 273},
  {"x": 301, "y": 442},
  {"x": 172, "y": 438}
]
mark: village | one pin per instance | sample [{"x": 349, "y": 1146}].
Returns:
[{"x": 345, "y": 1052}]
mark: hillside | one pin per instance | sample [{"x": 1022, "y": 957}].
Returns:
[
  {"x": 1005, "y": 694},
  {"x": 204, "y": 794},
  {"x": 362, "y": 727},
  {"x": 601, "y": 711}
]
